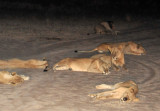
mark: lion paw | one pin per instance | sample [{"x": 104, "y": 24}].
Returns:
[
  {"x": 102, "y": 86},
  {"x": 106, "y": 73},
  {"x": 93, "y": 95}
]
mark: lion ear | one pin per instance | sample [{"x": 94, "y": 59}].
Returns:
[
  {"x": 44, "y": 58},
  {"x": 13, "y": 73},
  {"x": 132, "y": 90}
]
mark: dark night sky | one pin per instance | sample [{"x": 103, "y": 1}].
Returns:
[{"x": 81, "y": 7}]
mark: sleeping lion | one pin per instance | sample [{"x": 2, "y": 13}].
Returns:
[
  {"x": 17, "y": 63},
  {"x": 11, "y": 78},
  {"x": 125, "y": 91},
  {"x": 125, "y": 47},
  {"x": 84, "y": 64}
]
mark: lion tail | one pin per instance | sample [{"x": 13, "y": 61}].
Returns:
[{"x": 76, "y": 51}]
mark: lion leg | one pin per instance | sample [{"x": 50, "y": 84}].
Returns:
[
  {"x": 124, "y": 67},
  {"x": 64, "y": 67},
  {"x": 98, "y": 66},
  {"x": 46, "y": 69},
  {"x": 104, "y": 70},
  {"x": 115, "y": 67},
  {"x": 103, "y": 95},
  {"x": 95, "y": 70},
  {"x": 122, "y": 64},
  {"x": 94, "y": 67},
  {"x": 107, "y": 71},
  {"x": 105, "y": 86},
  {"x": 100, "y": 51}
]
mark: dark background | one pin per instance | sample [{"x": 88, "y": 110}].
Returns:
[{"x": 79, "y": 8}]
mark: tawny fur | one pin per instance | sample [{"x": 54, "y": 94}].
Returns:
[
  {"x": 115, "y": 61},
  {"x": 118, "y": 57},
  {"x": 125, "y": 91},
  {"x": 83, "y": 64},
  {"x": 17, "y": 63},
  {"x": 125, "y": 47},
  {"x": 11, "y": 78}
]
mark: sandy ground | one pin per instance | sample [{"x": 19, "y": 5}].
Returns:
[{"x": 56, "y": 39}]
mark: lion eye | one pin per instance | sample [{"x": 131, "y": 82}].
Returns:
[{"x": 125, "y": 99}]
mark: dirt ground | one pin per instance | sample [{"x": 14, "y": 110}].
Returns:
[{"x": 56, "y": 39}]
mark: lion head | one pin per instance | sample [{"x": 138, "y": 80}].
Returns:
[
  {"x": 134, "y": 49},
  {"x": 130, "y": 95},
  {"x": 11, "y": 78}
]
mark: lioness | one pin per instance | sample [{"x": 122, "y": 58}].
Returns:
[
  {"x": 105, "y": 28},
  {"x": 125, "y": 47},
  {"x": 83, "y": 64},
  {"x": 11, "y": 78},
  {"x": 116, "y": 61},
  {"x": 125, "y": 91},
  {"x": 17, "y": 63}
]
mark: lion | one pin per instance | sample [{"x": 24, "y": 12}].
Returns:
[
  {"x": 11, "y": 78},
  {"x": 83, "y": 64},
  {"x": 125, "y": 91},
  {"x": 116, "y": 60},
  {"x": 17, "y": 63},
  {"x": 118, "y": 50},
  {"x": 125, "y": 47},
  {"x": 105, "y": 28}
]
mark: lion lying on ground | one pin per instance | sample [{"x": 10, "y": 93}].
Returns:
[
  {"x": 116, "y": 61},
  {"x": 105, "y": 28},
  {"x": 118, "y": 50},
  {"x": 84, "y": 64},
  {"x": 17, "y": 63},
  {"x": 125, "y": 47},
  {"x": 11, "y": 78},
  {"x": 125, "y": 91}
]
